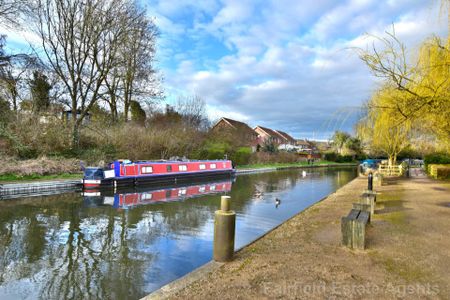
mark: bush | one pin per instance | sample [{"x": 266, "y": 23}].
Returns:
[
  {"x": 40, "y": 166},
  {"x": 270, "y": 158},
  {"x": 443, "y": 172},
  {"x": 241, "y": 156},
  {"x": 332, "y": 156},
  {"x": 437, "y": 158},
  {"x": 433, "y": 169},
  {"x": 215, "y": 150}
]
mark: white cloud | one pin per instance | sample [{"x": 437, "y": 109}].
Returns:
[{"x": 281, "y": 63}]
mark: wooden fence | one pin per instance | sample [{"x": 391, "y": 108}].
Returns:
[{"x": 386, "y": 170}]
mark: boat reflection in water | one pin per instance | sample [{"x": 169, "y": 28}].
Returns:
[{"x": 129, "y": 198}]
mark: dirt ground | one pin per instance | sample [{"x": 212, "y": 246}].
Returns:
[{"x": 407, "y": 255}]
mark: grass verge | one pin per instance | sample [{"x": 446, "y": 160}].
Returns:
[
  {"x": 13, "y": 177},
  {"x": 297, "y": 164}
]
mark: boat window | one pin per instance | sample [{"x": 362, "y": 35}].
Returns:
[
  {"x": 202, "y": 189},
  {"x": 146, "y": 170},
  {"x": 93, "y": 173},
  {"x": 146, "y": 196},
  {"x": 182, "y": 167},
  {"x": 212, "y": 188},
  {"x": 169, "y": 168},
  {"x": 202, "y": 166},
  {"x": 212, "y": 166},
  {"x": 182, "y": 192}
]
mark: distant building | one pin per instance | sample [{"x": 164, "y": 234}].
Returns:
[
  {"x": 303, "y": 145},
  {"x": 67, "y": 116},
  {"x": 267, "y": 135},
  {"x": 240, "y": 132},
  {"x": 289, "y": 140}
]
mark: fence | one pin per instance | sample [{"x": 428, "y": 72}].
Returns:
[{"x": 386, "y": 170}]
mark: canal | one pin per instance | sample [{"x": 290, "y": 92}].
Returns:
[{"x": 126, "y": 245}]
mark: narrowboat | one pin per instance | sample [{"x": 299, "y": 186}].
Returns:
[{"x": 126, "y": 172}]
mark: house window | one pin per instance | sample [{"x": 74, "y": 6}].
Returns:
[
  {"x": 182, "y": 168},
  {"x": 202, "y": 166},
  {"x": 212, "y": 166},
  {"x": 147, "y": 170},
  {"x": 169, "y": 168}
]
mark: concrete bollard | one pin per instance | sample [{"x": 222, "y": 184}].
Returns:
[{"x": 224, "y": 231}]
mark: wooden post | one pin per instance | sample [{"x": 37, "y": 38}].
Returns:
[
  {"x": 363, "y": 207},
  {"x": 369, "y": 198},
  {"x": 359, "y": 230}
]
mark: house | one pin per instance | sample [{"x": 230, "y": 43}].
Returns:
[
  {"x": 268, "y": 135},
  {"x": 67, "y": 116},
  {"x": 303, "y": 145},
  {"x": 289, "y": 140},
  {"x": 239, "y": 132}
]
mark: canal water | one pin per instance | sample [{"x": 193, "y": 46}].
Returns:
[{"x": 126, "y": 245}]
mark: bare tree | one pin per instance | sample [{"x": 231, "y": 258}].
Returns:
[
  {"x": 13, "y": 70},
  {"x": 79, "y": 39},
  {"x": 11, "y": 10},
  {"x": 134, "y": 77},
  {"x": 192, "y": 110}
]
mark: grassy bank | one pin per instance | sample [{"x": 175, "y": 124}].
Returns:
[
  {"x": 284, "y": 165},
  {"x": 15, "y": 177}
]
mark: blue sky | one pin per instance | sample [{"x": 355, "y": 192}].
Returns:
[
  {"x": 288, "y": 65},
  {"x": 282, "y": 64}
]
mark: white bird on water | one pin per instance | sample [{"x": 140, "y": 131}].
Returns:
[{"x": 304, "y": 173}]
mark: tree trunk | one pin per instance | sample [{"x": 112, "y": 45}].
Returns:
[{"x": 75, "y": 135}]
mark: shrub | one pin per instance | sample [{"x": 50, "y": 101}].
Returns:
[
  {"x": 433, "y": 169},
  {"x": 436, "y": 158},
  {"x": 333, "y": 156},
  {"x": 267, "y": 158},
  {"x": 241, "y": 156},
  {"x": 40, "y": 166},
  {"x": 443, "y": 172}
]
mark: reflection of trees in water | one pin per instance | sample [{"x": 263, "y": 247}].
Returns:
[
  {"x": 81, "y": 251},
  {"x": 89, "y": 256}
]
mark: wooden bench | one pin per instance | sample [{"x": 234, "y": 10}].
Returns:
[{"x": 353, "y": 229}]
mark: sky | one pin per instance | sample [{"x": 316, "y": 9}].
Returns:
[{"x": 287, "y": 65}]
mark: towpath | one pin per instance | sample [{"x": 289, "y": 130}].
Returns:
[{"x": 407, "y": 253}]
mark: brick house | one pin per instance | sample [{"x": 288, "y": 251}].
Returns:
[
  {"x": 268, "y": 135},
  {"x": 239, "y": 132}
]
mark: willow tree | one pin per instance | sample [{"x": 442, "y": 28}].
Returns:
[
  {"x": 383, "y": 129},
  {"x": 420, "y": 86}
]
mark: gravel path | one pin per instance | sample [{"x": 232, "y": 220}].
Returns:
[{"x": 407, "y": 257}]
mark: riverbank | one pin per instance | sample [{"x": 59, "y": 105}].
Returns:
[
  {"x": 35, "y": 177},
  {"x": 294, "y": 165},
  {"x": 276, "y": 167},
  {"x": 406, "y": 255}
]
